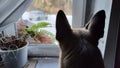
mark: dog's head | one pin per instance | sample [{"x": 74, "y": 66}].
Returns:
[{"x": 92, "y": 32}]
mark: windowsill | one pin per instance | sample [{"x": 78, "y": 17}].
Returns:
[
  {"x": 43, "y": 50},
  {"x": 45, "y": 62}
]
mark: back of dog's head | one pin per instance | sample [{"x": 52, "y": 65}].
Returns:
[
  {"x": 69, "y": 38},
  {"x": 93, "y": 30}
]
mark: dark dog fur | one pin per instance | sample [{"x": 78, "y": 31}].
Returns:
[{"x": 79, "y": 47}]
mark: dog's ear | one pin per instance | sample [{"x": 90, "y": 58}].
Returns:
[
  {"x": 96, "y": 24},
  {"x": 63, "y": 29},
  {"x": 86, "y": 26}
]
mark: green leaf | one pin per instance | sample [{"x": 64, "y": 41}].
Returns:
[
  {"x": 34, "y": 27},
  {"x": 51, "y": 35},
  {"x": 25, "y": 37},
  {"x": 33, "y": 30},
  {"x": 30, "y": 32},
  {"x": 39, "y": 25},
  {"x": 43, "y": 25}
]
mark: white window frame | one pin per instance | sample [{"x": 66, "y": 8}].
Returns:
[
  {"x": 112, "y": 37},
  {"x": 78, "y": 13}
]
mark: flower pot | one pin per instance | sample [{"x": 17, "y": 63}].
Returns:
[{"x": 14, "y": 58}]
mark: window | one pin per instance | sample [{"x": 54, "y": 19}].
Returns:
[
  {"x": 78, "y": 12},
  {"x": 44, "y": 11}
]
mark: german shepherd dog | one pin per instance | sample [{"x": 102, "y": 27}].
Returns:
[{"x": 79, "y": 47}]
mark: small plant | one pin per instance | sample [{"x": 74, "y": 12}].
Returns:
[
  {"x": 11, "y": 43},
  {"x": 12, "y": 51},
  {"x": 37, "y": 33}
]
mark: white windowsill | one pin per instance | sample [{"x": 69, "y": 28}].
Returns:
[{"x": 43, "y": 50}]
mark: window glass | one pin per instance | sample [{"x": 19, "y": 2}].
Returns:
[{"x": 43, "y": 11}]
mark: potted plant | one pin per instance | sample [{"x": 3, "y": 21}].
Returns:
[
  {"x": 13, "y": 52},
  {"x": 41, "y": 41},
  {"x": 36, "y": 34}
]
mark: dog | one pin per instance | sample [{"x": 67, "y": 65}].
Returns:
[{"x": 79, "y": 47}]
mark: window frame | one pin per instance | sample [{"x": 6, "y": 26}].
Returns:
[
  {"x": 113, "y": 30},
  {"x": 78, "y": 13},
  {"x": 112, "y": 37}
]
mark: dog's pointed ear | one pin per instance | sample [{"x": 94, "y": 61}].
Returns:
[
  {"x": 63, "y": 29},
  {"x": 86, "y": 26},
  {"x": 96, "y": 24}
]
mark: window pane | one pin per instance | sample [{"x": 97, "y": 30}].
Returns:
[{"x": 43, "y": 11}]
